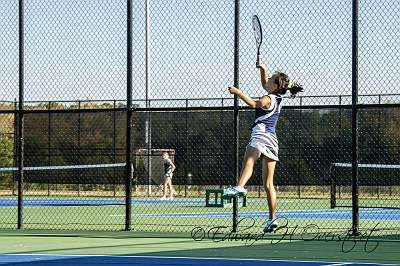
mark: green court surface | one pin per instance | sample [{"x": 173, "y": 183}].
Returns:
[
  {"x": 182, "y": 245},
  {"x": 309, "y": 231}
]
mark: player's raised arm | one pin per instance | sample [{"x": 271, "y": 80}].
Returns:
[{"x": 264, "y": 75}]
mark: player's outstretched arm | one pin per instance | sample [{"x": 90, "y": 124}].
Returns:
[
  {"x": 264, "y": 102},
  {"x": 247, "y": 99}
]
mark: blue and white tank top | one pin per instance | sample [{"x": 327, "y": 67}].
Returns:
[
  {"x": 167, "y": 167},
  {"x": 266, "y": 119}
]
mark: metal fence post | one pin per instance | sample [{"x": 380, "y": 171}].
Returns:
[
  {"x": 354, "y": 127},
  {"x": 236, "y": 111},
  {"x": 20, "y": 143},
  {"x": 128, "y": 160}
]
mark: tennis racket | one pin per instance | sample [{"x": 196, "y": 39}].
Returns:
[{"x": 258, "y": 36}]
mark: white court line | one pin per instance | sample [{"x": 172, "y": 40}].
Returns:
[
  {"x": 64, "y": 167},
  {"x": 201, "y": 258}
]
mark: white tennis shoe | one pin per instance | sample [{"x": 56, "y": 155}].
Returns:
[
  {"x": 233, "y": 191},
  {"x": 270, "y": 226}
]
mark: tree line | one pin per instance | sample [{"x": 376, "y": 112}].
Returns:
[{"x": 310, "y": 140}]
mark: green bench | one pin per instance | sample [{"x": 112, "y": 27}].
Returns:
[{"x": 216, "y": 198}]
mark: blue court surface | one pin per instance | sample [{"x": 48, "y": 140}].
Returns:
[
  {"x": 365, "y": 214},
  {"x": 7, "y": 202},
  {"x": 89, "y": 260}
]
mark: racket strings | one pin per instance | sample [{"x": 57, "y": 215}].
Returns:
[{"x": 257, "y": 30}]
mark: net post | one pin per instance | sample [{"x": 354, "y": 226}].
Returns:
[
  {"x": 149, "y": 152},
  {"x": 299, "y": 177},
  {"x": 79, "y": 147},
  {"x": 299, "y": 191},
  {"x": 236, "y": 111},
  {"x": 188, "y": 178},
  {"x": 148, "y": 103},
  {"x": 15, "y": 155},
  {"x": 114, "y": 143},
  {"x": 49, "y": 145},
  {"x": 332, "y": 175}
]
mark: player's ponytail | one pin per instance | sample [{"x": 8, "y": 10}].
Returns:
[
  {"x": 282, "y": 80},
  {"x": 294, "y": 88}
]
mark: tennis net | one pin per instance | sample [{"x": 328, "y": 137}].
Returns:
[
  {"x": 379, "y": 185},
  {"x": 70, "y": 174}
]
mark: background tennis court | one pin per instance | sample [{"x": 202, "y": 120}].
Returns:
[{"x": 183, "y": 215}]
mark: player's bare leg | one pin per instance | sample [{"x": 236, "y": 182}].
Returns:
[
  {"x": 268, "y": 182},
  {"x": 250, "y": 158}
]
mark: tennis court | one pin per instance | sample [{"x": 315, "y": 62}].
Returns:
[
  {"x": 44, "y": 247},
  {"x": 124, "y": 124}
]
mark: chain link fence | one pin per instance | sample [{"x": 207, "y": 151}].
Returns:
[
  {"x": 75, "y": 50},
  {"x": 76, "y": 88}
]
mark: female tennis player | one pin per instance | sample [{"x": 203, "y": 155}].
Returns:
[
  {"x": 169, "y": 168},
  {"x": 263, "y": 142}
]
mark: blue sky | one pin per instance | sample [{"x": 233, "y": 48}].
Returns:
[{"x": 77, "y": 49}]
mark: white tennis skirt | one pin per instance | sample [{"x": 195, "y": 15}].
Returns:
[
  {"x": 168, "y": 175},
  {"x": 266, "y": 143}
]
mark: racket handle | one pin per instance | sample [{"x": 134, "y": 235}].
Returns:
[{"x": 258, "y": 61}]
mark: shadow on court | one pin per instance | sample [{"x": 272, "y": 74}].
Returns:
[{"x": 127, "y": 248}]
